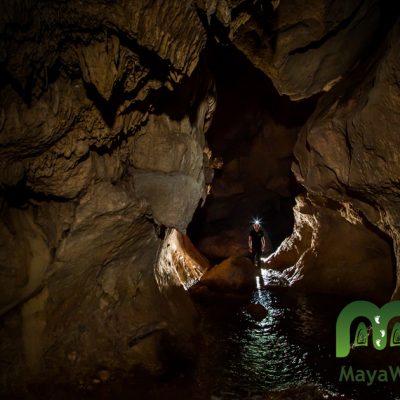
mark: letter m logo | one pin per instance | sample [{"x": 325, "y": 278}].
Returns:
[{"x": 379, "y": 318}]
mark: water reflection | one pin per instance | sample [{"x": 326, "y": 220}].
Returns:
[
  {"x": 292, "y": 346},
  {"x": 245, "y": 359},
  {"x": 260, "y": 354}
]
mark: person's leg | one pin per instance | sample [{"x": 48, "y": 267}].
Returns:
[
  {"x": 256, "y": 256},
  {"x": 253, "y": 256}
]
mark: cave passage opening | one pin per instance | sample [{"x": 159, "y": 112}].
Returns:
[{"x": 251, "y": 137}]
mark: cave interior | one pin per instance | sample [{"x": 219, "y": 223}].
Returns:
[{"x": 139, "y": 141}]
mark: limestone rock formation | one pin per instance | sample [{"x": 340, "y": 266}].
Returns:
[
  {"x": 304, "y": 47},
  {"x": 257, "y": 311},
  {"x": 228, "y": 283},
  {"x": 347, "y": 151},
  {"x": 188, "y": 262},
  {"x": 254, "y": 131},
  {"x": 103, "y": 112},
  {"x": 329, "y": 252},
  {"x": 232, "y": 274}
]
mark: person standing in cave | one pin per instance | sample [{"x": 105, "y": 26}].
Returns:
[{"x": 256, "y": 242}]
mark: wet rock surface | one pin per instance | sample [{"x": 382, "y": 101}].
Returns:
[
  {"x": 257, "y": 311},
  {"x": 232, "y": 274}
]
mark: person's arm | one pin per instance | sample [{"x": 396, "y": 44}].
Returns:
[
  {"x": 263, "y": 243},
  {"x": 250, "y": 243}
]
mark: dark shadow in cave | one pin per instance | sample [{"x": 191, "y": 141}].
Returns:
[{"x": 254, "y": 130}]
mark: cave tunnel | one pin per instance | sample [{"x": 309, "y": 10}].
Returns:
[
  {"x": 252, "y": 134},
  {"x": 139, "y": 140}
]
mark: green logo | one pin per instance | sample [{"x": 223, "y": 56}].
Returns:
[{"x": 379, "y": 319}]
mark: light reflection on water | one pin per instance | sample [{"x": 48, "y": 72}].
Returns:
[
  {"x": 292, "y": 346},
  {"x": 258, "y": 356},
  {"x": 241, "y": 358}
]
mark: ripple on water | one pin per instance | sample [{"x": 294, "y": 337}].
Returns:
[{"x": 292, "y": 346}]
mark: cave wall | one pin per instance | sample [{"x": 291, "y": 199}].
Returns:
[
  {"x": 103, "y": 111},
  {"x": 347, "y": 152},
  {"x": 252, "y": 134},
  {"x": 304, "y": 47},
  {"x": 331, "y": 251},
  {"x": 360, "y": 120}
]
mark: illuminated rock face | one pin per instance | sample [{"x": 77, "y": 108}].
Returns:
[
  {"x": 347, "y": 153},
  {"x": 331, "y": 251}
]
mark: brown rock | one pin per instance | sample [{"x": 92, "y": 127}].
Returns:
[
  {"x": 189, "y": 262},
  {"x": 168, "y": 206},
  {"x": 84, "y": 263},
  {"x": 202, "y": 294},
  {"x": 328, "y": 253},
  {"x": 233, "y": 274},
  {"x": 225, "y": 244},
  {"x": 257, "y": 311},
  {"x": 348, "y": 152},
  {"x": 184, "y": 259},
  {"x": 314, "y": 44},
  {"x": 152, "y": 147}
]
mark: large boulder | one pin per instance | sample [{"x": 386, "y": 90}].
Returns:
[
  {"x": 225, "y": 243},
  {"x": 257, "y": 311},
  {"x": 232, "y": 274}
]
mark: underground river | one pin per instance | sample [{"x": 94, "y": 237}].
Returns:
[{"x": 290, "y": 354}]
